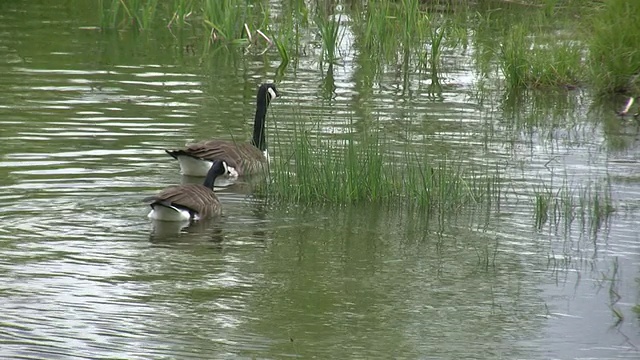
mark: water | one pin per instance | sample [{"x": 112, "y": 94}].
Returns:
[{"x": 85, "y": 117}]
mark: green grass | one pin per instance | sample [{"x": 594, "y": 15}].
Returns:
[
  {"x": 226, "y": 19},
  {"x": 182, "y": 9},
  {"x": 614, "y": 54},
  {"x": 560, "y": 207},
  {"x": 361, "y": 168},
  {"x": 138, "y": 14},
  {"x": 531, "y": 61},
  {"x": 552, "y": 44},
  {"x": 329, "y": 31}
]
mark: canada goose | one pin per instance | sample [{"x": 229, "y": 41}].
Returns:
[
  {"x": 241, "y": 158},
  {"x": 188, "y": 201}
]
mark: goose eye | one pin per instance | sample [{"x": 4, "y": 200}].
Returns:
[{"x": 272, "y": 94}]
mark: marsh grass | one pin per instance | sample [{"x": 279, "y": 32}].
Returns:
[
  {"x": 138, "y": 14},
  {"x": 330, "y": 34},
  {"x": 182, "y": 9},
  {"x": 591, "y": 204},
  {"x": 614, "y": 56},
  {"x": 225, "y": 20},
  {"x": 362, "y": 168},
  {"x": 532, "y": 60},
  {"x": 392, "y": 29},
  {"x": 293, "y": 22}
]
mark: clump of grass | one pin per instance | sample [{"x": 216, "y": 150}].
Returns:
[
  {"x": 543, "y": 200},
  {"x": 526, "y": 63},
  {"x": 329, "y": 30},
  {"x": 362, "y": 169},
  {"x": 591, "y": 204},
  {"x": 390, "y": 29},
  {"x": 225, "y": 19},
  {"x": 182, "y": 10},
  {"x": 614, "y": 56}
]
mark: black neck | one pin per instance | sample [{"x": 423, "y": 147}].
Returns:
[
  {"x": 258, "y": 124},
  {"x": 216, "y": 170}
]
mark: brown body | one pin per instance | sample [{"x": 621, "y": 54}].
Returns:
[
  {"x": 200, "y": 201},
  {"x": 188, "y": 201},
  {"x": 243, "y": 157}
]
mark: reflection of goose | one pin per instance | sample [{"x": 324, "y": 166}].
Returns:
[
  {"x": 205, "y": 231},
  {"x": 188, "y": 201},
  {"x": 242, "y": 158}
]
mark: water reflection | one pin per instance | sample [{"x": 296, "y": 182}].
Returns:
[{"x": 174, "y": 231}]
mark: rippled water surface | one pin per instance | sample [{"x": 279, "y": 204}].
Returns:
[{"x": 85, "y": 117}]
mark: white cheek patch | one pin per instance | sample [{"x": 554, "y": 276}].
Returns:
[{"x": 272, "y": 94}]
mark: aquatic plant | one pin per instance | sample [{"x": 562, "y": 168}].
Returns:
[
  {"x": 362, "y": 168},
  {"x": 292, "y": 22},
  {"x": 613, "y": 38},
  {"x": 138, "y": 14},
  {"x": 225, "y": 19},
  {"x": 329, "y": 31},
  {"x": 545, "y": 61},
  {"x": 181, "y": 10},
  {"x": 591, "y": 204}
]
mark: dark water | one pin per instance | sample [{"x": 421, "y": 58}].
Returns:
[{"x": 85, "y": 116}]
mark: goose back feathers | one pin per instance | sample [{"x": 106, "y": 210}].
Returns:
[{"x": 242, "y": 158}]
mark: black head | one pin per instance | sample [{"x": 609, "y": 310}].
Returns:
[
  {"x": 218, "y": 168},
  {"x": 267, "y": 92}
]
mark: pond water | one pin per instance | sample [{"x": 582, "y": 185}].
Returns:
[{"x": 85, "y": 117}]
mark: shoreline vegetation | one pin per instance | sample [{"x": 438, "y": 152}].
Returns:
[{"x": 532, "y": 43}]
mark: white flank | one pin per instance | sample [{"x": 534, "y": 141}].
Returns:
[
  {"x": 164, "y": 213},
  {"x": 193, "y": 167}
]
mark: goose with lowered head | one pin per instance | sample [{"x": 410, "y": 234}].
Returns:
[
  {"x": 188, "y": 202},
  {"x": 242, "y": 158}
]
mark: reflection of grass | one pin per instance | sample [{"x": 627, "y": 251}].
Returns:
[{"x": 361, "y": 169}]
